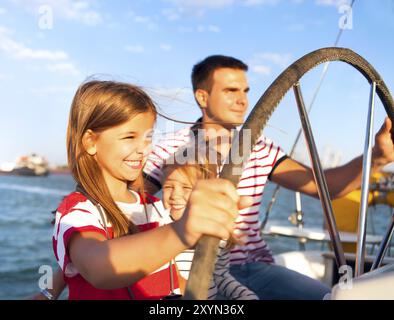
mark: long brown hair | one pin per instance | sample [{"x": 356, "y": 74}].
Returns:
[{"x": 100, "y": 105}]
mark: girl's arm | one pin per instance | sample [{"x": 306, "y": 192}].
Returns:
[{"x": 117, "y": 263}]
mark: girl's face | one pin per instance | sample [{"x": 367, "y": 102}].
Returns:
[
  {"x": 176, "y": 192},
  {"x": 121, "y": 151}
]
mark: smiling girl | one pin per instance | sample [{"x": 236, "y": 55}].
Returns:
[{"x": 112, "y": 242}]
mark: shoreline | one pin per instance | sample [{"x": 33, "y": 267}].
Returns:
[{"x": 59, "y": 171}]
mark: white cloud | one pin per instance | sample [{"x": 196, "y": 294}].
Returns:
[
  {"x": 18, "y": 50},
  {"x": 66, "y": 68},
  {"x": 91, "y": 18},
  {"x": 171, "y": 14},
  {"x": 204, "y": 4},
  {"x": 261, "y": 69},
  {"x": 208, "y": 28},
  {"x": 278, "y": 59},
  {"x": 147, "y": 21},
  {"x": 259, "y": 2},
  {"x": 213, "y": 28},
  {"x": 263, "y": 63},
  {"x": 165, "y": 47},
  {"x": 194, "y": 7},
  {"x": 197, "y": 8},
  {"x": 334, "y": 3},
  {"x": 28, "y": 53},
  {"x": 136, "y": 48},
  {"x": 58, "y": 60},
  {"x": 79, "y": 10},
  {"x": 3, "y": 11},
  {"x": 201, "y": 28}
]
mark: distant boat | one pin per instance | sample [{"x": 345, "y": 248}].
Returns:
[{"x": 31, "y": 165}]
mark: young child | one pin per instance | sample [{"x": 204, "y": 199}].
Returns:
[
  {"x": 178, "y": 184},
  {"x": 112, "y": 242},
  {"x": 179, "y": 180}
]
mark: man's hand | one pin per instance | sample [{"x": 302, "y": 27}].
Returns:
[{"x": 383, "y": 151}]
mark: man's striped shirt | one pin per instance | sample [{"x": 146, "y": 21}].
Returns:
[{"x": 263, "y": 159}]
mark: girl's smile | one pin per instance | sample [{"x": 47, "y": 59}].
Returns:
[
  {"x": 134, "y": 164},
  {"x": 176, "y": 192},
  {"x": 121, "y": 151}
]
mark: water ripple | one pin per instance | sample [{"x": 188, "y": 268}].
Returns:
[{"x": 34, "y": 189}]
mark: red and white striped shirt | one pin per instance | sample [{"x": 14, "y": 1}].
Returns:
[
  {"x": 78, "y": 214},
  {"x": 262, "y": 160}
]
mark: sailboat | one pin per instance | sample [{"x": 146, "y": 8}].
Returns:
[{"x": 320, "y": 264}]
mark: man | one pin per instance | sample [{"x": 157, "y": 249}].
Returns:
[{"x": 220, "y": 88}]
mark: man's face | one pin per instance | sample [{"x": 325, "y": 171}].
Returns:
[{"x": 227, "y": 101}]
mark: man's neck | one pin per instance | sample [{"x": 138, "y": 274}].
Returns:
[
  {"x": 220, "y": 137},
  {"x": 211, "y": 125}
]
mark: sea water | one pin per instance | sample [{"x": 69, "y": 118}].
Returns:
[{"x": 26, "y": 230}]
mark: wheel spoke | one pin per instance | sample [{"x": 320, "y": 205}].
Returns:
[
  {"x": 362, "y": 221},
  {"x": 320, "y": 179}
]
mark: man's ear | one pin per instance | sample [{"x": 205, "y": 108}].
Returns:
[
  {"x": 201, "y": 97},
  {"x": 89, "y": 142}
]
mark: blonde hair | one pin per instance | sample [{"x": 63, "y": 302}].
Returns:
[
  {"x": 196, "y": 168},
  {"x": 97, "y": 106}
]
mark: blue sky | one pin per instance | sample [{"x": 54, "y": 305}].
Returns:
[{"x": 48, "y": 47}]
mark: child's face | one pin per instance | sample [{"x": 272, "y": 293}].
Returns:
[
  {"x": 176, "y": 192},
  {"x": 121, "y": 151}
]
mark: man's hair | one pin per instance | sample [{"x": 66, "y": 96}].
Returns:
[{"x": 203, "y": 71}]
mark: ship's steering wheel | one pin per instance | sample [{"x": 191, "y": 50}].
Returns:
[{"x": 206, "y": 250}]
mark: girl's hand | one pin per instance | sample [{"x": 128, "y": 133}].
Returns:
[{"x": 212, "y": 208}]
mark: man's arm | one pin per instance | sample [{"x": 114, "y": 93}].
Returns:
[
  {"x": 298, "y": 177},
  {"x": 341, "y": 180}
]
